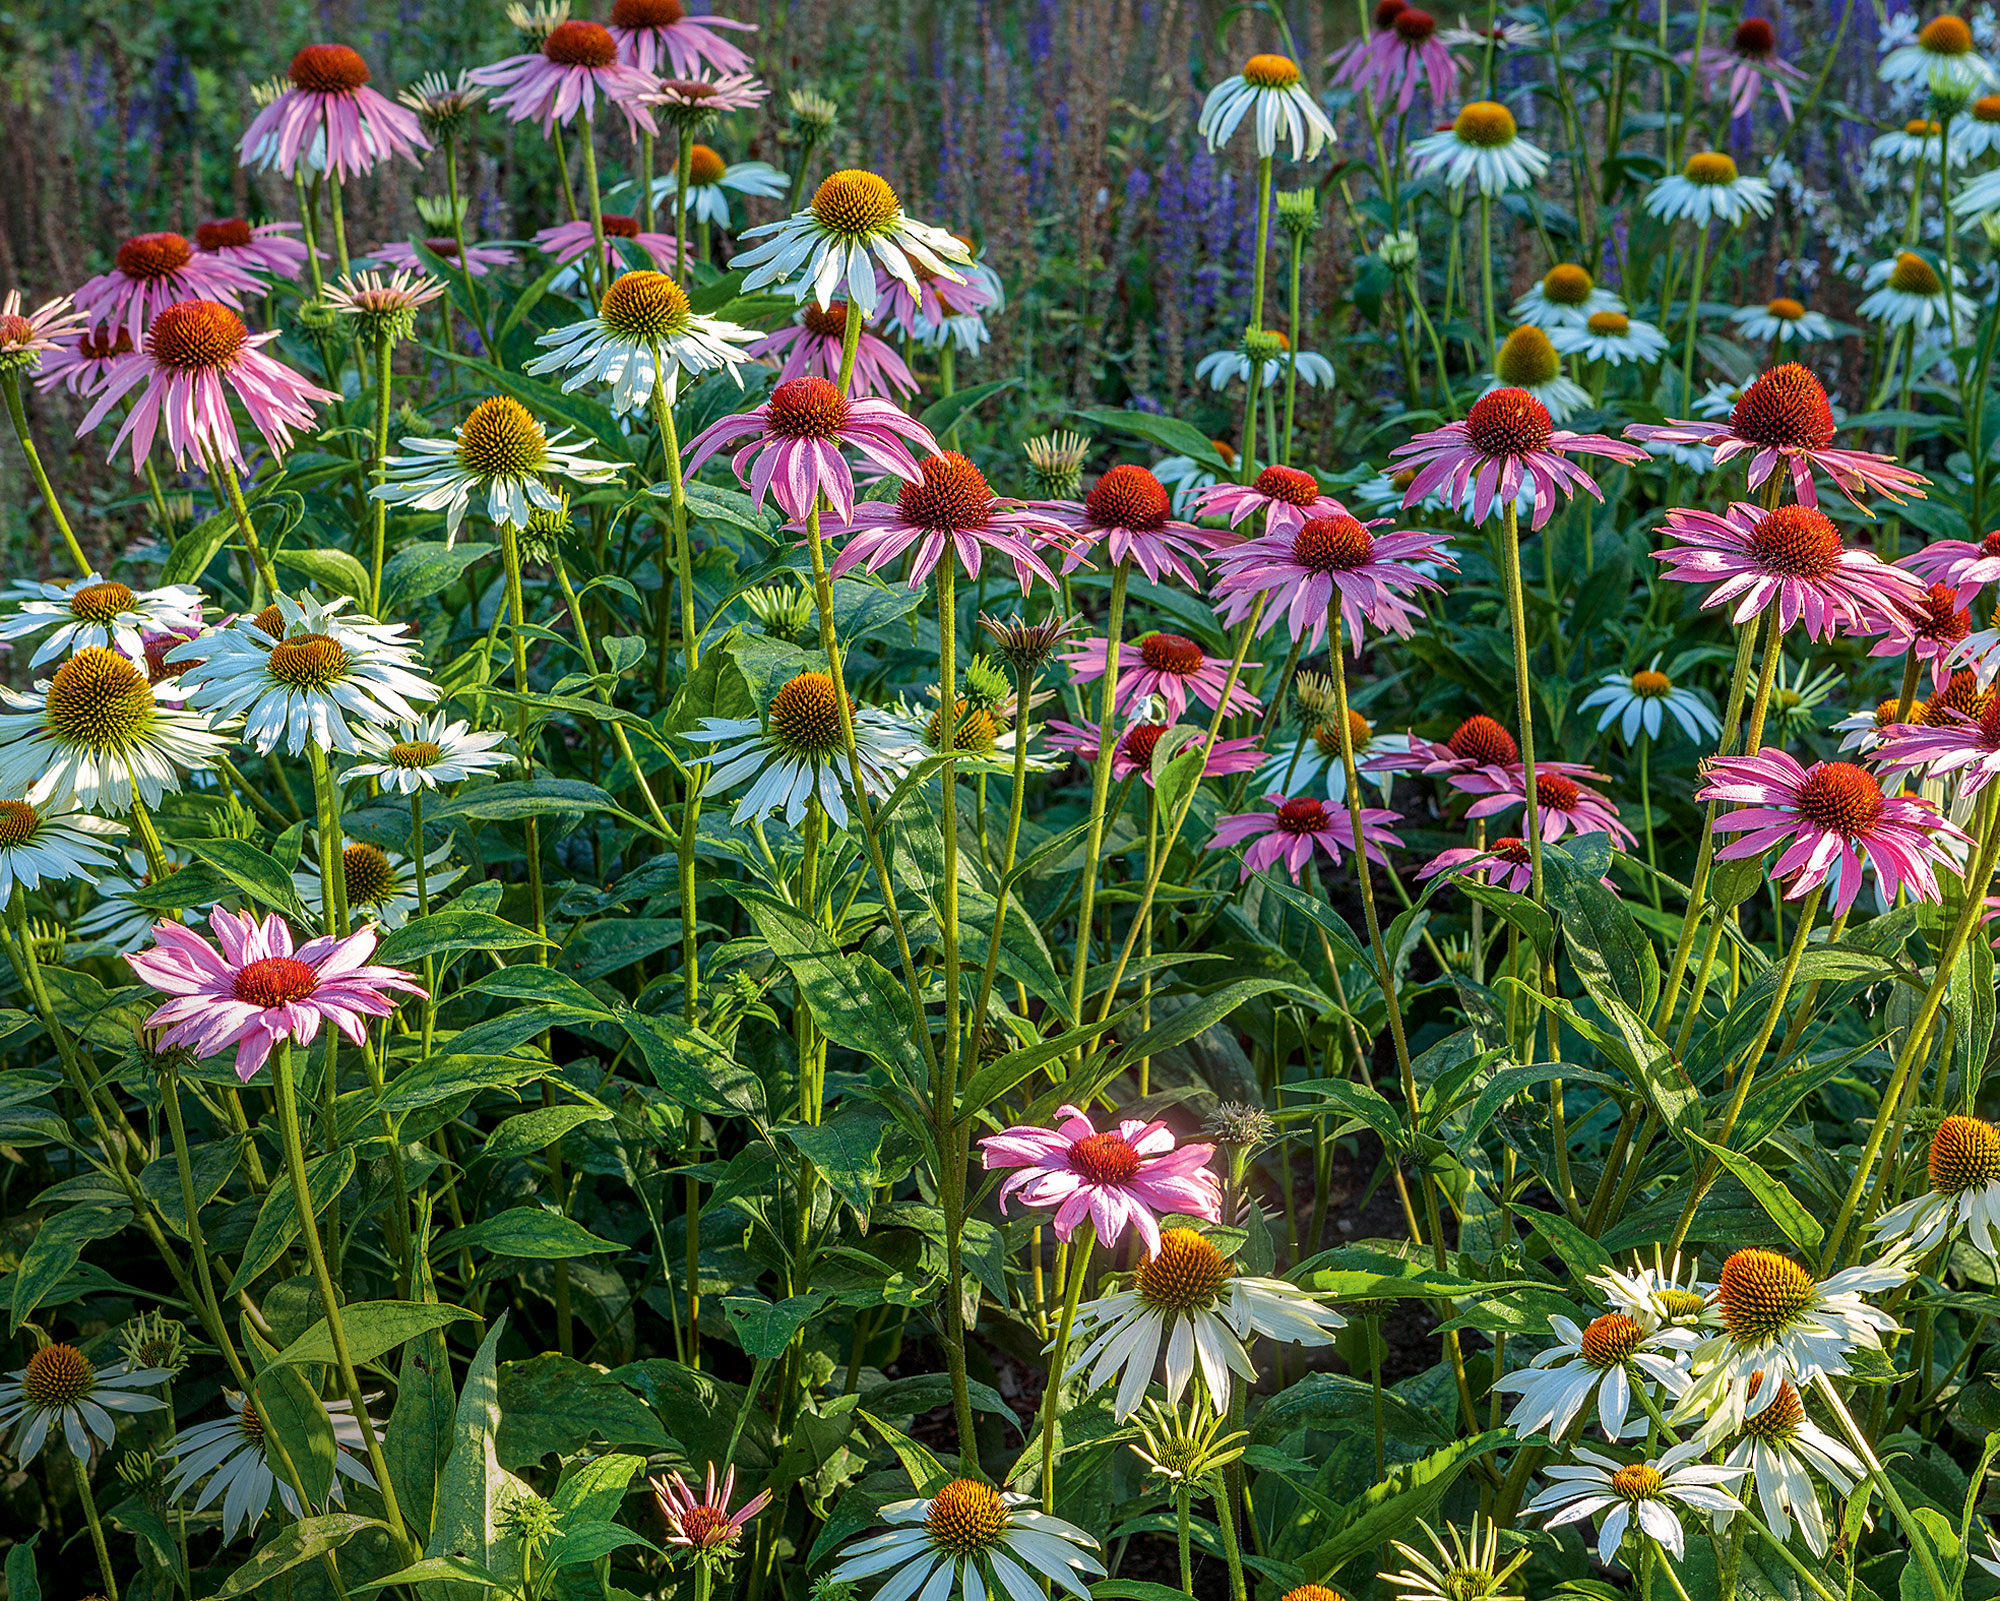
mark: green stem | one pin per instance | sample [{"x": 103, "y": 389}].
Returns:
[
  {"x": 1885, "y": 1487},
  {"x": 12, "y": 384},
  {"x": 1292, "y": 353},
  {"x": 1524, "y": 711},
  {"x": 1225, "y": 1521},
  {"x": 1100, "y": 786},
  {"x": 245, "y": 526},
  {"x": 681, "y": 206},
  {"x": 380, "y": 508},
  {"x": 96, "y": 1528},
  {"x": 1081, "y": 1245},
  {"x": 1694, "y": 315}
]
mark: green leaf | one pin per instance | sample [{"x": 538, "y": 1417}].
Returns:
[
  {"x": 56, "y": 1247},
  {"x": 528, "y": 1132},
  {"x": 291, "y": 1545},
  {"x": 22, "y": 1582},
  {"x": 716, "y": 688},
  {"x": 1386, "y": 1510},
  {"x": 1197, "y": 1018},
  {"x": 454, "y": 929},
  {"x": 373, "y": 1328},
  {"x": 594, "y": 1487},
  {"x": 474, "y": 1492},
  {"x": 927, "y": 1474},
  {"x": 257, "y": 873},
  {"x": 945, "y": 413},
  {"x": 844, "y": 1149},
  {"x": 711, "y": 503},
  {"x": 553, "y": 1405},
  {"x": 329, "y": 569},
  {"x": 296, "y": 1420},
  {"x": 693, "y": 1068},
  {"x": 1609, "y": 951},
  {"x": 419, "y": 1435},
  {"x": 277, "y": 1224},
  {"x": 531, "y": 1232},
  {"x": 764, "y": 1328},
  {"x": 515, "y": 799},
  {"x": 426, "y": 568},
  {"x": 196, "y": 548},
  {"x": 452, "y": 1574},
  {"x": 1170, "y": 433},
  {"x": 446, "y": 1077},
  {"x": 1779, "y": 1204}
]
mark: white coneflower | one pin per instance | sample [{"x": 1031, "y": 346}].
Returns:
[
  {"x": 233, "y": 1454},
  {"x": 1964, "y": 1192},
  {"x": 1271, "y": 88},
  {"x": 1644, "y": 1493},
  {"x": 1482, "y": 146},
  {"x": 1312, "y": 761},
  {"x": 1663, "y": 1293},
  {"x": 1978, "y": 132},
  {"x": 44, "y": 845},
  {"x": 1707, "y": 189},
  {"x": 95, "y": 611},
  {"x": 1566, "y": 297},
  {"x": 381, "y": 885},
  {"x": 424, "y": 753},
  {"x": 96, "y": 732},
  {"x": 500, "y": 450},
  {"x": 1612, "y": 338},
  {"x": 62, "y": 1391},
  {"x": 1909, "y": 292},
  {"x": 853, "y": 222},
  {"x": 644, "y": 318},
  {"x": 711, "y": 181},
  {"x": 1641, "y": 702},
  {"x": 1782, "y": 319},
  {"x": 1917, "y": 140},
  {"x": 971, "y": 1538},
  {"x": 1943, "y": 56},
  {"x": 1781, "y": 1448},
  {"x": 1597, "y": 1363},
  {"x": 296, "y": 677},
  {"x": 1470, "y": 1570}
]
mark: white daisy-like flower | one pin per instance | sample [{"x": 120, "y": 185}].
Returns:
[
  {"x": 232, "y": 1454},
  {"x": 42, "y": 845},
  {"x": 1977, "y": 196},
  {"x": 829, "y": 250},
  {"x": 1863, "y": 730},
  {"x": 297, "y": 671},
  {"x": 424, "y": 754},
  {"x": 1188, "y": 1298},
  {"x": 1964, "y": 1191},
  {"x": 1184, "y": 478},
  {"x": 1664, "y": 1294},
  {"x": 96, "y": 732},
  {"x": 1528, "y": 360},
  {"x": 500, "y": 449},
  {"x": 1909, "y": 293},
  {"x": 1641, "y": 702},
  {"x": 1221, "y": 368},
  {"x": 1781, "y": 1322},
  {"x": 1780, "y": 320},
  {"x": 1645, "y": 1493},
  {"x": 1709, "y": 189},
  {"x": 643, "y": 317},
  {"x": 1484, "y": 147},
  {"x": 62, "y": 1390},
  {"x": 1942, "y": 56},
  {"x": 1613, "y": 338},
  {"x": 115, "y": 918},
  {"x": 1780, "y": 1449},
  {"x": 1469, "y": 1570},
  {"x": 1566, "y": 297},
  {"x": 1312, "y": 762},
  {"x": 801, "y": 753},
  {"x": 1599, "y": 1363},
  {"x": 96, "y": 611},
  {"x": 1977, "y": 133},
  {"x": 1991, "y": 1561},
  {"x": 1271, "y": 87},
  {"x": 712, "y": 180},
  {"x": 1917, "y": 140},
  {"x": 381, "y": 885},
  {"x": 965, "y": 332},
  {"x": 972, "y": 1539}
]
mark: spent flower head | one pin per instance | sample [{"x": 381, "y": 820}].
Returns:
[{"x": 383, "y": 306}]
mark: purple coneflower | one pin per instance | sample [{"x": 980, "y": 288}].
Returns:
[
  {"x": 1133, "y": 753},
  {"x": 1286, "y": 496},
  {"x": 659, "y": 36},
  {"x": 331, "y": 120},
  {"x": 80, "y": 362},
  {"x": 1792, "y": 558},
  {"x": 1933, "y": 630},
  {"x": 401, "y": 254},
  {"x": 152, "y": 271},
  {"x": 1289, "y": 831},
  {"x": 196, "y": 355},
  {"x": 795, "y": 445},
  {"x": 1966, "y": 745},
  {"x": 1827, "y": 817},
  {"x": 1785, "y": 419},
  {"x": 1129, "y": 1175},
  {"x": 1750, "y": 60},
  {"x": 1505, "y": 862},
  {"x": 1167, "y": 665},
  {"x": 265, "y": 247},
  {"x": 1959, "y": 562},
  {"x": 947, "y": 503},
  {"x": 1328, "y": 559},
  {"x": 26, "y": 336},
  {"x": 1506, "y": 438},
  {"x": 257, "y": 990},
  {"x": 567, "y": 241},
  {"x": 1132, "y": 513},
  {"x": 1393, "y": 59},
  {"x": 811, "y": 348},
  {"x": 942, "y": 297},
  {"x": 1562, "y": 804},
  {"x": 703, "y": 1523},
  {"x": 577, "y": 62}
]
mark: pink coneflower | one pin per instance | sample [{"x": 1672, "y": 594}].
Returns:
[
  {"x": 1324, "y": 560},
  {"x": 578, "y": 61},
  {"x": 401, "y": 255},
  {"x": 699, "y": 101},
  {"x": 943, "y": 297},
  {"x": 1506, "y": 438},
  {"x": 1750, "y": 60},
  {"x": 1969, "y": 568},
  {"x": 1933, "y": 631},
  {"x": 1792, "y": 558},
  {"x": 811, "y": 347},
  {"x": 331, "y": 119},
  {"x": 27, "y": 336},
  {"x": 260, "y": 247},
  {"x": 196, "y": 355},
  {"x": 1287, "y": 497},
  {"x": 1505, "y": 862},
  {"x": 257, "y": 991},
  {"x": 567, "y": 241},
  {"x": 1133, "y": 753},
  {"x": 659, "y": 36},
  {"x": 948, "y": 503},
  {"x": 1132, "y": 513},
  {"x": 1479, "y": 744},
  {"x": 1290, "y": 830},
  {"x": 1132, "y": 1174},
  {"x": 1563, "y": 805},
  {"x": 1392, "y": 61},
  {"x": 1962, "y": 744},
  {"x": 155, "y": 270},
  {"x": 1785, "y": 419},
  {"x": 703, "y": 1523},
  {"x": 81, "y": 362},
  {"x": 796, "y": 441},
  {"x": 1167, "y": 665},
  {"x": 1827, "y": 817}
]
